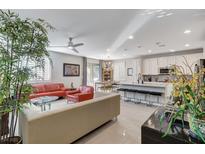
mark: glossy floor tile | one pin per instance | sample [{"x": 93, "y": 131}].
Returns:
[{"x": 125, "y": 130}]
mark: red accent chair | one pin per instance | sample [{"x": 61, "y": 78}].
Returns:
[
  {"x": 51, "y": 89},
  {"x": 83, "y": 93}
]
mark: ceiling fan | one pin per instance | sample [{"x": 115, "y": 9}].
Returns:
[{"x": 71, "y": 45}]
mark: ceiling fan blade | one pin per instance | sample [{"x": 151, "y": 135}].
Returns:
[
  {"x": 75, "y": 50},
  {"x": 79, "y": 44}
]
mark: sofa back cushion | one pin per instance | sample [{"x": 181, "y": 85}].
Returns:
[
  {"x": 38, "y": 88},
  {"x": 54, "y": 87},
  {"x": 86, "y": 89}
]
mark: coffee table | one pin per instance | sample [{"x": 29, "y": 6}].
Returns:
[{"x": 43, "y": 101}]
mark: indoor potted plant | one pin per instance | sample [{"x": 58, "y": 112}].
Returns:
[
  {"x": 188, "y": 100},
  {"x": 22, "y": 41}
]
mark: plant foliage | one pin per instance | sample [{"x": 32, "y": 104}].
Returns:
[
  {"x": 188, "y": 98},
  {"x": 21, "y": 41}
]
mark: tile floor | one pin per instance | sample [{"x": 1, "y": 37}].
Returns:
[{"x": 125, "y": 130}]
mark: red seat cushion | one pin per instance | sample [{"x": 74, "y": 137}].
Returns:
[
  {"x": 81, "y": 94},
  {"x": 55, "y": 93},
  {"x": 79, "y": 97}
]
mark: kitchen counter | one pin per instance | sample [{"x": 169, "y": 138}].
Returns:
[
  {"x": 148, "y": 92},
  {"x": 146, "y": 84}
]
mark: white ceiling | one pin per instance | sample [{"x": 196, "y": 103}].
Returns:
[{"x": 100, "y": 30}]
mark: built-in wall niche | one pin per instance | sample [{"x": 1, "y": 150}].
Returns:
[
  {"x": 107, "y": 71},
  {"x": 129, "y": 71}
]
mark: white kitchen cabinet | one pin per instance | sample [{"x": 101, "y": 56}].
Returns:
[
  {"x": 180, "y": 61},
  {"x": 193, "y": 59},
  {"x": 150, "y": 66},
  {"x": 138, "y": 66},
  {"x": 171, "y": 60},
  {"x": 153, "y": 64},
  {"x": 162, "y": 62},
  {"x": 146, "y": 66}
]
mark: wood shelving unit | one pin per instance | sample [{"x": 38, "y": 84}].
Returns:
[{"x": 107, "y": 71}]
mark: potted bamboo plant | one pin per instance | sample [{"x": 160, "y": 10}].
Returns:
[
  {"x": 22, "y": 41},
  {"x": 188, "y": 100}
]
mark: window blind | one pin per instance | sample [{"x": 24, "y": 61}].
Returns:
[{"x": 40, "y": 74}]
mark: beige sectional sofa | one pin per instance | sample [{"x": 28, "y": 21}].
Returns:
[{"x": 68, "y": 122}]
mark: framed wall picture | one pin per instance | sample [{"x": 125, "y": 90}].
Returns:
[
  {"x": 71, "y": 69},
  {"x": 129, "y": 71}
]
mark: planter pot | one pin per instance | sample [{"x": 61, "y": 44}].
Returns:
[
  {"x": 197, "y": 127},
  {"x": 4, "y": 124},
  {"x": 13, "y": 140}
]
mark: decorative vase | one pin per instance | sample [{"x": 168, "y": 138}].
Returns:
[{"x": 13, "y": 140}]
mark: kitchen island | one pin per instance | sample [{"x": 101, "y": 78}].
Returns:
[
  {"x": 152, "y": 131},
  {"x": 152, "y": 93}
]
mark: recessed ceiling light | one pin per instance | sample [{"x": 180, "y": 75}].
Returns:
[
  {"x": 169, "y": 14},
  {"x": 160, "y": 16},
  {"x": 130, "y": 37},
  {"x": 187, "y": 45},
  {"x": 149, "y": 51},
  {"x": 171, "y": 50},
  {"x": 70, "y": 47},
  {"x": 187, "y": 31},
  {"x": 108, "y": 50}
]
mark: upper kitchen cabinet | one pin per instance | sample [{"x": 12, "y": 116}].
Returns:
[
  {"x": 193, "y": 59},
  {"x": 154, "y": 69},
  {"x": 171, "y": 60},
  {"x": 146, "y": 66},
  {"x": 166, "y": 61},
  {"x": 180, "y": 61},
  {"x": 162, "y": 62},
  {"x": 150, "y": 66},
  {"x": 138, "y": 66}
]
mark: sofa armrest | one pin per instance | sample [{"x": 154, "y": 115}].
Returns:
[{"x": 71, "y": 92}]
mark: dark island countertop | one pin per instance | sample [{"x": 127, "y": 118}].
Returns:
[{"x": 152, "y": 131}]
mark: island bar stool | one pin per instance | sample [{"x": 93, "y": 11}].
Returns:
[
  {"x": 157, "y": 94},
  {"x": 131, "y": 94},
  {"x": 142, "y": 93},
  {"x": 124, "y": 93},
  {"x": 127, "y": 94}
]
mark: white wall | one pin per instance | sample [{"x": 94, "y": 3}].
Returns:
[
  {"x": 57, "y": 70},
  {"x": 94, "y": 61}
]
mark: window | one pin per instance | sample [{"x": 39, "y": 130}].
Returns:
[
  {"x": 92, "y": 73},
  {"x": 41, "y": 75}
]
